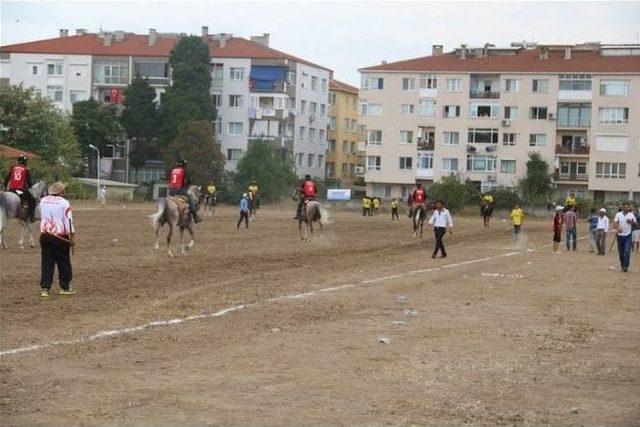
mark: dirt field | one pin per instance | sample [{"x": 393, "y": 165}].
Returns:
[{"x": 490, "y": 335}]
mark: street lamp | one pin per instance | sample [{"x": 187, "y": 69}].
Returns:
[{"x": 97, "y": 169}]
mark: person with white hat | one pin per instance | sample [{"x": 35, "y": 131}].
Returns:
[
  {"x": 557, "y": 228},
  {"x": 57, "y": 236},
  {"x": 601, "y": 231}
]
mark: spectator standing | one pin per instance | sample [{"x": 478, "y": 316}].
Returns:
[
  {"x": 557, "y": 228},
  {"x": 602, "y": 228},
  {"x": 593, "y": 225},
  {"x": 244, "y": 211},
  {"x": 570, "y": 220},
  {"x": 441, "y": 221},
  {"x": 623, "y": 223}
]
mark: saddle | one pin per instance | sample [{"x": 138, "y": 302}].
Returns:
[
  {"x": 23, "y": 209},
  {"x": 183, "y": 204}
]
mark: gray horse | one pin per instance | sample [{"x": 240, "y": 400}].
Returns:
[
  {"x": 10, "y": 208},
  {"x": 311, "y": 212},
  {"x": 169, "y": 213}
]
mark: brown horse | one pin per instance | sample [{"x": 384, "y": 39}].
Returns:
[
  {"x": 486, "y": 209},
  {"x": 174, "y": 211},
  {"x": 311, "y": 212}
]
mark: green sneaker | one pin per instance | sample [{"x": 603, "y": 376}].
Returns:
[
  {"x": 45, "y": 293},
  {"x": 66, "y": 292}
]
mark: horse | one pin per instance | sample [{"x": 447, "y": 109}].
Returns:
[
  {"x": 254, "y": 205},
  {"x": 311, "y": 211},
  {"x": 486, "y": 209},
  {"x": 418, "y": 215},
  {"x": 174, "y": 211},
  {"x": 11, "y": 207},
  {"x": 210, "y": 203}
]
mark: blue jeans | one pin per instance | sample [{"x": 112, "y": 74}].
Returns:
[
  {"x": 624, "y": 250},
  {"x": 572, "y": 233}
]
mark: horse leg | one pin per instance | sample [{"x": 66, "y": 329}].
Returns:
[
  {"x": 300, "y": 230},
  {"x": 193, "y": 240},
  {"x": 22, "y": 231},
  {"x": 32, "y": 243},
  {"x": 310, "y": 233},
  {"x": 169, "y": 239},
  {"x": 156, "y": 247}
]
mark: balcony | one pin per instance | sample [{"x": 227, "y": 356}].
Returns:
[
  {"x": 424, "y": 173},
  {"x": 484, "y": 86},
  {"x": 568, "y": 150},
  {"x": 483, "y": 94},
  {"x": 426, "y": 144},
  {"x": 571, "y": 177},
  {"x": 573, "y": 122}
]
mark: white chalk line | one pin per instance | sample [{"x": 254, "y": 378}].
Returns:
[{"x": 225, "y": 311}]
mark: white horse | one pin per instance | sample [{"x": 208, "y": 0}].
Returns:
[
  {"x": 169, "y": 213},
  {"x": 10, "y": 207}
]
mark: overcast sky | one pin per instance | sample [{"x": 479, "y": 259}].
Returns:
[{"x": 343, "y": 36}]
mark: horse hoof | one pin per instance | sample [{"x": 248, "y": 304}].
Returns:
[{"x": 170, "y": 255}]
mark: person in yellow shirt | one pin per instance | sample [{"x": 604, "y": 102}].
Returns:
[
  {"x": 487, "y": 198},
  {"x": 394, "y": 210},
  {"x": 211, "y": 189},
  {"x": 376, "y": 205},
  {"x": 254, "y": 198},
  {"x": 517, "y": 217},
  {"x": 366, "y": 206},
  {"x": 570, "y": 202}
]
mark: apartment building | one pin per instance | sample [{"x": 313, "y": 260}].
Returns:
[
  {"x": 345, "y": 157},
  {"x": 477, "y": 113},
  {"x": 260, "y": 93}
]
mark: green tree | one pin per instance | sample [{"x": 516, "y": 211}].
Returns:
[
  {"x": 274, "y": 176},
  {"x": 195, "y": 142},
  {"x": 33, "y": 123},
  {"x": 536, "y": 185},
  {"x": 452, "y": 192},
  {"x": 140, "y": 120},
  {"x": 189, "y": 97}
]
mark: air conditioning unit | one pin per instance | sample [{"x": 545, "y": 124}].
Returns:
[
  {"x": 551, "y": 116},
  {"x": 506, "y": 123},
  {"x": 492, "y": 178},
  {"x": 490, "y": 148},
  {"x": 471, "y": 149},
  {"x": 360, "y": 170}
]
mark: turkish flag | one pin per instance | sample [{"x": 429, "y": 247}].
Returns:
[{"x": 114, "y": 96}]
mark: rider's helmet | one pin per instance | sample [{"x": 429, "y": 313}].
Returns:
[
  {"x": 307, "y": 176},
  {"x": 419, "y": 185},
  {"x": 181, "y": 162},
  {"x": 22, "y": 160}
]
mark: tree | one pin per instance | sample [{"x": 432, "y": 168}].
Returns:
[
  {"x": 140, "y": 120},
  {"x": 33, "y": 123},
  {"x": 94, "y": 123},
  {"x": 272, "y": 173},
  {"x": 536, "y": 185},
  {"x": 195, "y": 142},
  {"x": 189, "y": 97}
]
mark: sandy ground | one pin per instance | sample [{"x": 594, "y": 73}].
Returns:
[{"x": 496, "y": 333}]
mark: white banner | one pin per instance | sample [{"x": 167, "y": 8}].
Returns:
[{"x": 339, "y": 194}]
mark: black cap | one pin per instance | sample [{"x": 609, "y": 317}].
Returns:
[
  {"x": 307, "y": 176},
  {"x": 22, "y": 160}
]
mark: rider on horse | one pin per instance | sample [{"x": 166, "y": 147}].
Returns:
[
  {"x": 307, "y": 192},
  {"x": 418, "y": 197},
  {"x": 178, "y": 185},
  {"x": 18, "y": 180}
]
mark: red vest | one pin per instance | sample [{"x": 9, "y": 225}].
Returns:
[
  {"x": 18, "y": 179},
  {"x": 309, "y": 188},
  {"x": 176, "y": 178},
  {"x": 419, "y": 196}
]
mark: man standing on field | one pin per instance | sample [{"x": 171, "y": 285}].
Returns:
[
  {"x": 601, "y": 231},
  {"x": 517, "y": 217},
  {"x": 623, "y": 222},
  {"x": 441, "y": 221}
]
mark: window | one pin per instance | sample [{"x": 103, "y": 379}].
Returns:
[
  {"x": 236, "y": 101},
  {"x": 320, "y": 160},
  {"x": 406, "y": 108},
  {"x": 354, "y": 125},
  {"x": 345, "y": 146},
  {"x": 77, "y": 95},
  {"x": 575, "y": 82},
  {"x": 333, "y": 123},
  {"x": 380, "y": 190},
  {"x": 427, "y": 108},
  {"x": 367, "y": 109},
  {"x": 614, "y": 115},
  {"x": 310, "y": 159},
  {"x": 510, "y": 113},
  {"x": 217, "y": 126},
  {"x": 540, "y": 85},
  {"x": 538, "y": 113},
  {"x": 406, "y": 137},
  {"x": 314, "y": 83},
  {"x": 483, "y": 135},
  {"x": 451, "y": 111},
  {"x": 303, "y": 107},
  {"x": 481, "y": 163},
  {"x": 449, "y": 164},
  {"x": 332, "y": 146},
  {"x": 425, "y": 161},
  {"x": 34, "y": 70},
  {"x": 302, "y": 132},
  {"x": 573, "y": 168},
  {"x": 345, "y": 167},
  {"x": 236, "y": 74},
  {"x": 312, "y": 134},
  {"x": 323, "y": 109},
  {"x": 406, "y": 163},
  {"x": 323, "y": 85},
  {"x": 408, "y": 83},
  {"x": 217, "y": 71},
  {"x": 611, "y": 170},
  {"x": 614, "y": 87},
  {"x": 453, "y": 85},
  {"x": 451, "y": 138},
  {"x": 353, "y": 147},
  {"x": 300, "y": 159},
  {"x": 374, "y": 137},
  {"x": 484, "y": 110},
  {"x": 508, "y": 166},
  {"x": 512, "y": 85},
  {"x": 321, "y": 136},
  {"x": 303, "y": 82},
  {"x": 509, "y": 138},
  {"x": 374, "y": 83},
  {"x": 234, "y": 154},
  {"x": 111, "y": 71},
  {"x": 373, "y": 163},
  {"x": 54, "y": 93},
  {"x": 345, "y": 124},
  {"x": 54, "y": 69},
  {"x": 313, "y": 108},
  {"x": 574, "y": 115},
  {"x": 428, "y": 81},
  {"x": 152, "y": 70},
  {"x": 332, "y": 98},
  {"x": 537, "y": 139},
  {"x": 217, "y": 100},
  {"x": 234, "y": 128},
  {"x": 615, "y": 143}
]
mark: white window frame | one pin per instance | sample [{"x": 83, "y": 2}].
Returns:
[
  {"x": 613, "y": 115},
  {"x": 427, "y": 108},
  {"x": 494, "y": 110},
  {"x": 428, "y": 81},
  {"x": 57, "y": 67},
  {"x": 233, "y": 125},
  {"x": 538, "y": 140},
  {"x": 624, "y": 86},
  {"x": 55, "y": 93},
  {"x": 425, "y": 157},
  {"x": 451, "y": 138},
  {"x": 408, "y": 84},
  {"x": 505, "y": 166},
  {"x": 236, "y": 101},
  {"x": 513, "y": 112},
  {"x": 512, "y": 85},
  {"x": 453, "y": 84},
  {"x": 507, "y": 140},
  {"x": 375, "y": 141},
  {"x": 535, "y": 86},
  {"x": 447, "y": 163},
  {"x": 447, "y": 111},
  {"x": 406, "y": 137},
  {"x": 236, "y": 74},
  {"x": 406, "y": 109},
  {"x": 535, "y": 113},
  {"x": 405, "y": 163},
  {"x": 374, "y": 163},
  {"x": 605, "y": 170},
  {"x": 489, "y": 160}
]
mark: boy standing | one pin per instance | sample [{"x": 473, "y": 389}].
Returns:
[
  {"x": 517, "y": 217},
  {"x": 394, "y": 210}
]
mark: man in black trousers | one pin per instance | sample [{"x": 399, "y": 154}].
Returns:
[{"x": 441, "y": 221}]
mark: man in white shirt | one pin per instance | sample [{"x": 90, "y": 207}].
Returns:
[
  {"x": 441, "y": 221},
  {"x": 601, "y": 231},
  {"x": 623, "y": 222},
  {"x": 103, "y": 195},
  {"x": 57, "y": 236}
]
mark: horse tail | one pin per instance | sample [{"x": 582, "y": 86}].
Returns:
[
  {"x": 322, "y": 215},
  {"x": 155, "y": 218}
]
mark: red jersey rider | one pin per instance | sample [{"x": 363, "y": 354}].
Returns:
[
  {"x": 18, "y": 180},
  {"x": 178, "y": 185},
  {"x": 307, "y": 192},
  {"x": 419, "y": 196}
]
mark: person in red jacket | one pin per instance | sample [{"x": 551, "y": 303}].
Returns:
[
  {"x": 419, "y": 196},
  {"x": 307, "y": 192},
  {"x": 18, "y": 180},
  {"x": 178, "y": 185}
]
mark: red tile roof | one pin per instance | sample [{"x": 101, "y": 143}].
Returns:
[
  {"x": 337, "y": 85},
  {"x": 14, "y": 153},
  {"x": 138, "y": 45},
  {"x": 523, "y": 61}
]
